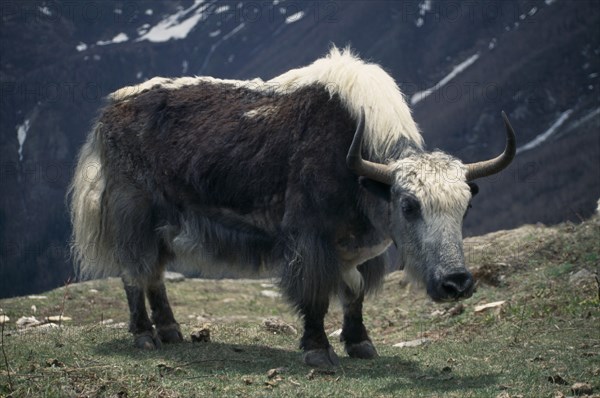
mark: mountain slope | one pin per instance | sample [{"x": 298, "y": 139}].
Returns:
[{"x": 538, "y": 60}]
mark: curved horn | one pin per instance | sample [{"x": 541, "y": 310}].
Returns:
[
  {"x": 493, "y": 166},
  {"x": 375, "y": 171}
]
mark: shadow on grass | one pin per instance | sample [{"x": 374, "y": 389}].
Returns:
[{"x": 203, "y": 360}]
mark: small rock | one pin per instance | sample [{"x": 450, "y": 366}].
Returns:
[
  {"x": 54, "y": 363},
  {"x": 276, "y": 325},
  {"x": 93, "y": 291},
  {"x": 58, "y": 318},
  {"x": 270, "y": 293},
  {"x": 438, "y": 313},
  {"x": 336, "y": 333},
  {"x": 581, "y": 276},
  {"x": 107, "y": 321},
  {"x": 201, "y": 336},
  {"x": 294, "y": 382},
  {"x": 275, "y": 372},
  {"x": 228, "y": 300},
  {"x": 557, "y": 379},
  {"x": 174, "y": 276},
  {"x": 4, "y": 319},
  {"x": 456, "y": 310},
  {"x": 581, "y": 388},
  {"x": 26, "y": 322},
  {"x": 37, "y": 297},
  {"x": 202, "y": 319},
  {"x": 483, "y": 307},
  {"x": 413, "y": 343},
  {"x": 48, "y": 325},
  {"x": 314, "y": 372},
  {"x": 247, "y": 381}
]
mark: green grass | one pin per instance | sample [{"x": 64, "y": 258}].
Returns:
[{"x": 547, "y": 327}]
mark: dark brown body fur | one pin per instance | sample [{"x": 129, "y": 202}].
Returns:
[{"x": 257, "y": 179}]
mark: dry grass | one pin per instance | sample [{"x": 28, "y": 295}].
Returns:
[{"x": 547, "y": 327}]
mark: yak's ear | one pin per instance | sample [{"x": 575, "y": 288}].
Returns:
[
  {"x": 474, "y": 188},
  {"x": 376, "y": 188}
]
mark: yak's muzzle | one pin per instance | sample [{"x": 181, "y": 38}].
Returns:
[{"x": 454, "y": 285}]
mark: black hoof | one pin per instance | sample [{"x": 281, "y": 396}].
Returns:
[
  {"x": 147, "y": 340},
  {"x": 363, "y": 350},
  {"x": 322, "y": 358},
  {"x": 170, "y": 334}
]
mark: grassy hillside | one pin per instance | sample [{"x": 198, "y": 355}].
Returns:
[{"x": 539, "y": 343}]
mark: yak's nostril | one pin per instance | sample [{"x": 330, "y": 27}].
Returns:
[{"x": 457, "y": 284}]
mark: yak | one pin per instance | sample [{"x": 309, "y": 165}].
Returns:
[{"x": 311, "y": 175}]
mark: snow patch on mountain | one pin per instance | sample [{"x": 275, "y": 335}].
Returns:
[
  {"x": 22, "y": 136},
  {"x": 120, "y": 38},
  {"x": 421, "y": 95},
  {"x": 45, "y": 10},
  {"x": 294, "y": 17},
  {"x": 178, "y": 25},
  {"x": 221, "y": 9},
  {"x": 546, "y": 134},
  {"x": 584, "y": 119},
  {"x": 216, "y": 45},
  {"x": 424, "y": 7}
]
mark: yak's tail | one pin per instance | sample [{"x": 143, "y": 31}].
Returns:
[{"x": 92, "y": 255}]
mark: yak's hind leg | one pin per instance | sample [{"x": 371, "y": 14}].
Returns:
[
  {"x": 139, "y": 324},
  {"x": 130, "y": 219},
  {"x": 162, "y": 315},
  {"x": 354, "y": 333},
  {"x": 145, "y": 335}
]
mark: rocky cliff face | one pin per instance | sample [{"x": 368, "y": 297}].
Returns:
[{"x": 459, "y": 63}]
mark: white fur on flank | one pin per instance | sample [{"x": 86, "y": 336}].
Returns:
[
  {"x": 438, "y": 182},
  {"x": 358, "y": 84}
]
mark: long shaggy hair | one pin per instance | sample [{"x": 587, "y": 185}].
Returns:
[
  {"x": 359, "y": 84},
  {"x": 169, "y": 172}
]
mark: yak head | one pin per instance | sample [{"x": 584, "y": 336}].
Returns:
[{"x": 428, "y": 194}]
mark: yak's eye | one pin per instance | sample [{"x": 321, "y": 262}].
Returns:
[{"x": 410, "y": 208}]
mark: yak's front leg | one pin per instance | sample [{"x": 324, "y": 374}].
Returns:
[
  {"x": 139, "y": 324},
  {"x": 354, "y": 334},
  {"x": 162, "y": 315},
  {"x": 310, "y": 276},
  {"x": 317, "y": 350}
]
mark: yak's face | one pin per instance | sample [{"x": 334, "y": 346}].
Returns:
[
  {"x": 428, "y": 202},
  {"x": 428, "y": 196}
]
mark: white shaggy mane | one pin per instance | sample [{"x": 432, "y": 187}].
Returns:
[{"x": 358, "y": 84}]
